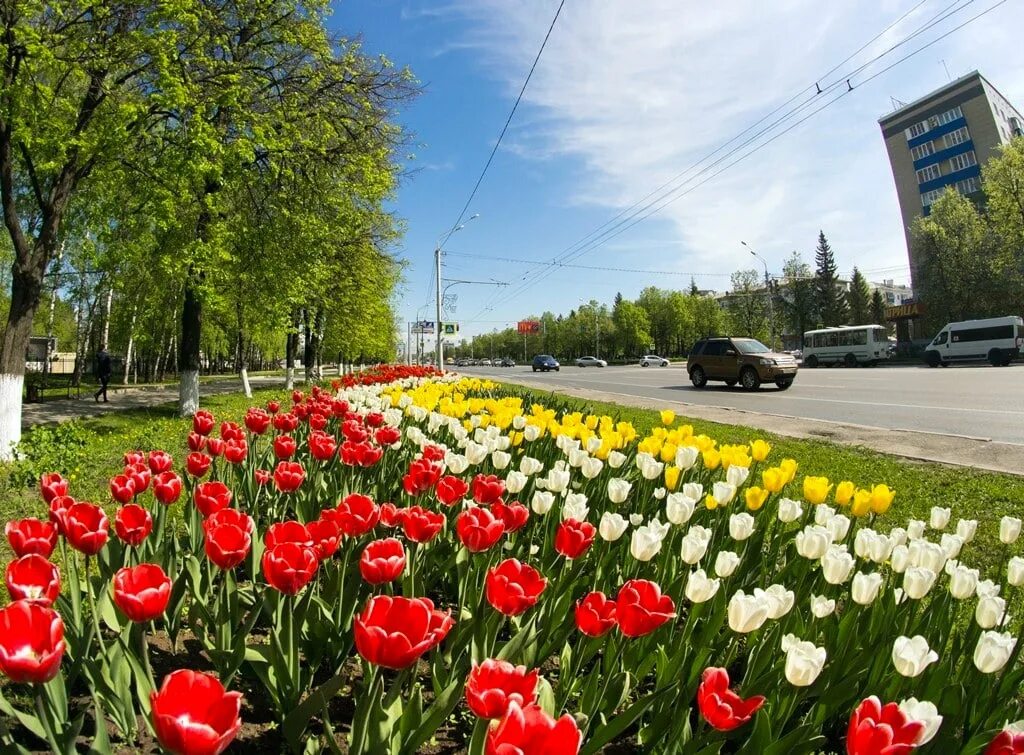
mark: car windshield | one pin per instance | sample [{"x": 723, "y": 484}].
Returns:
[{"x": 750, "y": 346}]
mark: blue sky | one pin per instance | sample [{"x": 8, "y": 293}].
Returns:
[{"x": 627, "y": 96}]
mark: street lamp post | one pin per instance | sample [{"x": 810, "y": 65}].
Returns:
[
  {"x": 437, "y": 269},
  {"x": 768, "y": 291}
]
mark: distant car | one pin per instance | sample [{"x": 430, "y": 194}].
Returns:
[
  {"x": 463, "y": 362},
  {"x": 590, "y": 362},
  {"x": 653, "y": 359},
  {"x": 545, "y": 362},
  {"x": 746, "y": 361},
  {"x": 484, "y": 363},
  {"x": 507, "y": 362}
]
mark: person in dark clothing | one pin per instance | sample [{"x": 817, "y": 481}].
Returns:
[{"x": 103, "y": 373}]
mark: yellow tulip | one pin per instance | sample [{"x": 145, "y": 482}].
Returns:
[
  {"x": 710, "y": 502},
  {"x": 816, "y": 489},
  {"x": 711, "y": 458},
  {"x": 685, "y": 431},
  {"x": 773, "y": 479},
  {"x": 667, "y": 417},
  {"x": 591, "y": 421},
  {"x": 516, "y": 439},
  {"x": 788, "y": 467},
  {"x": 672, "y": 473},
  {"x": 881, "y": 498},
  {"x": 755, "y": 497},
  {"x": 668, "y": 452},
  {"x": 861, "y": 502},
  {"x": 844, "y": 492},
  {"x": 759, "y": 449}
]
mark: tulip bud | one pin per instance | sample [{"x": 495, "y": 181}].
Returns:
[
  {"x": 804, "y": 661},
  {"x": 747, "y": 612},
  {"x": 660, "y": 493},
  {"x": 612, "y": 526},
  {"x": 1015, "y": 571},
  {"x": 686, "y": 457},
  {"x": 542, "y": 502},
  {"x": 741, "y": 526},
  {"x": 962, "y": 581},
  {"x": 823, "y": 513},
  {"x": 822, "y": 606},
  {"x": 736, "y": 475},
  {"x": 780, "y": 600},
  {"x": 924, "y": 712},
  {"x": 789, "y": 510},
  {"x": 515, "y": 482},
  {"x": 679, "y": 508},
  {"x": 723, "y": 493},
  {"x": 917, "y": 581},
  {"x": 693, "y": 490},
  {"x": 990, "y": 611},
  {"x": 575, "y": 507},
  {"x": 636, "y": 519},
  {"x": 838, "y": 526},
  {"x": 530, "y": 466},
  {"x": 646, "y": 541},
  {"x": 898, "y": 536},
  {"x": 699, "y": 588},
  {"x": 966, "y": 529},
  {"x": 915, "y": 529},
  {"x": 926, "y": 554},
  {"x": 939, "y": 518},
  {"x": 618, "y": 489},
  {"x": 812, "y": 541},
  {"x": 616, "y": 459},
  {"x": 836, "y": 565},
  {"x": 695, "y": 544},
  {"x": 864, "y": 588},
  {"x": 1009, "y": 529},
  {"x": 993, "y": 651},
  {"x": 911, "y": 655},
  {"x": 591, "y": 467},
  {"x": 900, "y": 558},
  {"x": 726, "y": 563}
]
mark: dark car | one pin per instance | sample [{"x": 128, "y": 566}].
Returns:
[
  {"x": 507, "y": 362},
  {"x": 545, "y": 362},
  {"x": 746, "y": 361}
]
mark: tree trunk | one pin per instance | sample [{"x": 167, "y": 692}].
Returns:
[
  {"x": 240, "y": 355},
  {"x": 26, "y": 291},
  {"x": 131, "y": 344},
  {"x": 105, "y": 341},
  {"x": 291, "y": 347},
  {"x": 189, "y": 348}
]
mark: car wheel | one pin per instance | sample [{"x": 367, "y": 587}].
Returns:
[
  {"x": 850, "y": 360},
  {"x": 783, "y": 384},
  {"x": 749, "y": 379},
  {"x": 730, "y": 383},
  {"x": 697, "y": 377},
  {"x": 811, "y": 362},
  {"x": 534, "y": 369},
  {"x": 995, "y": 357},
  {"x": 1006, "y": 360},
  {"x": 933, "y": 359},
  {"x": 556, "y": 369},
  {"x": 664, "y": 364},
  {"x": 643, "y": 364}
]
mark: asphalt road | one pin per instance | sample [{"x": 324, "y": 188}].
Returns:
[{"x": 967, "y": 401}]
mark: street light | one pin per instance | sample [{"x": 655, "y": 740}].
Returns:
[
  {"x": 768, "y": 290},
  {"x": 437, "y": 265}
]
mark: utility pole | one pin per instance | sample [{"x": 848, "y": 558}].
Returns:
[
  {"x": 437, "y": 277},
  {"x": 768, "y": 291}
]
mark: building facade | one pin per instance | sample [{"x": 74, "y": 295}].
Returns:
[{"x": 942, "y": 140}]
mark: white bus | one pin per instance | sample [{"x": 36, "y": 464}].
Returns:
[
  {"x": 997, "y": 340},
  {"x": 849, "y": 345}
]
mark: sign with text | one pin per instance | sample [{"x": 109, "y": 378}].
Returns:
[
  {"x": 529, "y": 327},
  {"x": 423, "y": 327}
]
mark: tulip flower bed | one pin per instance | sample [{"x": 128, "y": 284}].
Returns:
[{"x": 409, "y": 562}]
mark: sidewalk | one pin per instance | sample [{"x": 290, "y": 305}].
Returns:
[{"x": 122, "y": 398}]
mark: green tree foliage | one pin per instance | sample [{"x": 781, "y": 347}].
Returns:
[
  {"x": 859, "y": 299},
  {"x": 632, "y": 328},
  {"x": 830, "y": 300},
  {"x": 878, "y": 307},
  {"x": 747, "y": 305},
  {"x": 797, "y": 295}
]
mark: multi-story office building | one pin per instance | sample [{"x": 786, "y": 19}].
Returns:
[{"x": 941, "y": 140}]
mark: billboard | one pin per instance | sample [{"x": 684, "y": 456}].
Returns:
[
  {"x": 423, "y": 327},
  {"x": 528, "y": 327}
]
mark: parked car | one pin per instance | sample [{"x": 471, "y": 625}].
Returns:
[
  {"x": 997, "y": 340},
  {"x": 590, "y": 362},
  {"x": 545, "y": 362},
  {"x": 746, "y": 361},
  {"x": 653, "y": 359},
  {"x": 484, "y": 363},
  {"x": 507, "y": 362}
]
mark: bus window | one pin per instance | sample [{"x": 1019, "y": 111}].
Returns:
[
  {"x": 831, "y": 339},
  {"x": 940, "y": 338},
  {"x": 809, "y": 342},
  {"x": 860, "y": 337}
]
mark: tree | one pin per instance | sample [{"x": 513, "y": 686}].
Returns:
[
  {"x": 829, "y": 298},
  {"x": 877, "y": 307},
  {"x": 631, "y": 328},
  {"x": 859, "y": 299},
  {"x": 746, "y": 305},
  {"x": 694, "y": 291},
  {"x": 1003, "y": 182},
  {"x": 799, "y": 302}
]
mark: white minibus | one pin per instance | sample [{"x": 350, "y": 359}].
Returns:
[
  {"x": 996, "y": 339},
  {"x": 850, "y": 345}
]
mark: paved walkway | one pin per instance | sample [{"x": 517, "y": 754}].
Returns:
[{"x": 57, "y": 410}]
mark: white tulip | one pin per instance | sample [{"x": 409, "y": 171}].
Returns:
[
  {"x": 500, "y": 460},
  {"x": 951, "y": 545},
  {"x": 616, "y": 459},
  {"x": 594, "y": 444},
  {"x": 927, "y": 554},
  {"x": 476, "y": 452},
  {"x": 789, "y": 510},
  {"x": 822, "y": 606},
  {"x": 612, "y": 526},
  {"x": 531, "y": 433},
  {"x": 542, "y": 502},
  {"x": 591, "y": 468},
  {"x": 911, "y": 655},
  {"x": 926, "y": 713},
  {"x": 736, "y": 476},
  {"x": 962, "y": 581},
  {"x": 741, "y": 526},
  {"x": 679, "y": 508},
  {"x": 723, "y": 493},
  {"x": 915, "y": 529},
  {"x": 557, "y": 480},
  {"x": 986, "y": 588},
  {"x": 780, "y": 600},
  {"x": 699, "y": 588},
  {"x": 804, "y": 661},
  {"x": 693, "y": 490},
  {"x": 660, "y": 493},
  {"x": 636, "y": 519},
  {"x": 863, "y": 541},
  {"x": 646, "y": 541},
  {"x": 939, "y": 517},
  {"x": 575, "y": 507},
  {"x": 836, "y": 565},
  {"x": 993, "y": 651},
  {"x": 1015, "y": 571},
  {"x": 618, "y": 489},
  {"x": 518, "y": 422},
  {"x": 651, "y": 470},
  {"x": 838, "y": 526},
  {"x": 898, "y": 536},
  {"x": 577, "y": 456},
  {"x": 1009, "y": 529},
  {"x": 812, "y": 541},
  {"x": 990, "y": 611},
  {"x": 643, "y": 458},
  {"x": 695, "y": 544},
  {"x": 917, "y": 581},
  {"x": 530, "y": 466},
  {"x": 686, "y": 457},
  {"x": 566, "y": 444},
  {"x": 966, "y": 529},
  {"x": 823, "y": 513},
  {"x": 864, "y": 588},
  {"x": 747, "y": 612},
  {"x": 726, "y": 563},
  {"x": 900, "y": 558},
  {"x": 456, "y": 463},
  {"x": 515, "y": 482},
  {"x": 899, "y": 596}
]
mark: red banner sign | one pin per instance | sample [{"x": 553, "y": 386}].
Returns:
[{"x": 529, "y": 327}]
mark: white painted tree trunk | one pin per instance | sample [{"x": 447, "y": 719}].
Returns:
[
  {"x": 289, "y": 378},
  {"x": 246, "y": 387},
  {"x": 10, "y": 414},
  {"x": 188, "y": 393},
  {"x": 106, "y": 318},
  {"x": 131, "y": 347}
]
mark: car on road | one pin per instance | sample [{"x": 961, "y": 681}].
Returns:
[
  {"x": 997, "y": 340},
  {"x": 484, "y": 363},
  {"x": 507, "y": 362},
  {"x": 653, "y": 359},
  {"x": 590, "y": 362},
  {"x": 746, "y": 361},
  {"x": 545, "y": 362}
]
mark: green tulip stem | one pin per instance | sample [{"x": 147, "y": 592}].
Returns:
[
  {"x": 479, "y": 738},
  {"x": 42, "y": 711},
  {"x": 92, "y": 608},
  {"x": 144, "y": 652}
]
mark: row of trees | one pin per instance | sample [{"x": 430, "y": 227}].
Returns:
[{"x": 194, "y": 180}]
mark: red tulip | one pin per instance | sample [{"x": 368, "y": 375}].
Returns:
[
  {"x": 273, "y": 406},
  {"x": 231, "y": 431},
  {"x": 387, "y": 436},
  {"x": 317, "y": 421},
  {"x": 354, "y": 431},
  {"x": 288, "y": 567},
  {"x": 297, "y": 396},
  {"x": 160, "y": 461},
  {"x": 595, "y": 614},
  {"x": 487, "y": 489},
  {"x": 132, "y": 523},
  {"x": 494, "y": 684},
  {"x": 326, "y": 537},
  {"x": 193, "y": 715},
  {"x": 142, "y": 592},
  {"x": 512, "y": 587},
  {"x": 196, "y": 442},
  {"x": 31, "y": 536},
  {"x": 1006, "y": 742},
  {"x": 215, "y": 446},
  {"x": 86, "y": 528},
  {"x": 877, "y": 729},
  {"x": 356, "y": 514},
  {"x": 433, "y": 453},
  {"x": 374, "y": 419},
  {"x": 236, "y": 451},
  {"x": 211, "y": 497},
  {"x": 34, "y": 579},
  {"x": 52, "y": 485},
  {"x": 234, "y": 517},
  {"x": 130, "y": 458},
  {"x": 338, "y": 406},
  {"x": 450, "y": 490},
  {"x": 420, "y": 525},
  {"x": 262, "y": 477},
  {"x": 31, "y": 642},
  {"x": 140, "y": 476},
  {"x": 197, "y": 464},
  {"x": 641, "y": 608},
  {"x": 284, "y": 447},
  {"x": 290, "y": 531},
  {"x": 720, "y": 706},
  {"x": 167, "y": 487},
  {"x": 257, "y": 421},
  {"x": 514, "y": 515},
  {"x": 286, "y": 422},
  {"x": 226, "y": 545},
  {"x": 573, "y": 538},
  {"x": 390, "y": 515},
  {"x": 122, "y": 489},
  {"x": 202, "y": 422},
  {"x": 382, "y": 561},
  {"x": 288, "y": 476},
  {"x": 393, "y": 631},
  {"x": 531, "y": 731},
  {"x": 322, "y": 446},
  {"x": 58, "y": 510},
  {"x": 422, "y": 476},
  {"x": 359, "y": 454},
  {"x": 478, "y": 529}
]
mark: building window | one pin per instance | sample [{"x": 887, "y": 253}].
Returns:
[
  {"x": 966, "y": 160},
  {"x": 929, "y": 197},
  {"x": 968, "y": 185},
  {"x": 922, "y": 150},
  {"x": 917, "y": 129},
  {"x": 929, "y": 173},
  {"x": 954, "y": 138}
]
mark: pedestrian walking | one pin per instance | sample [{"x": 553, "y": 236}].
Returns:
[{"x": 103, "y": 373}]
